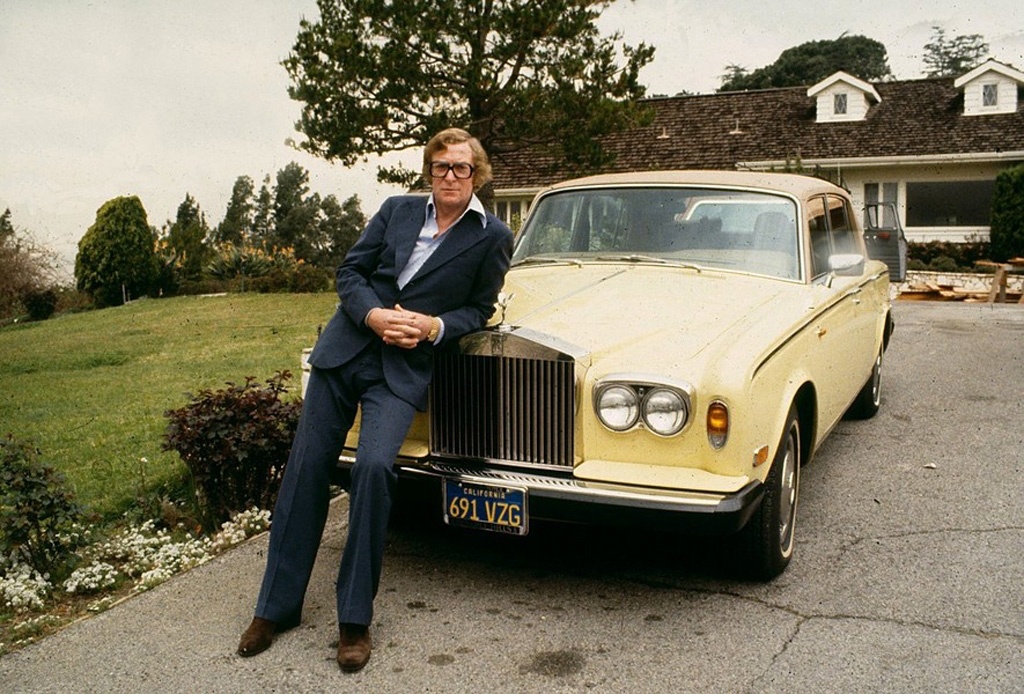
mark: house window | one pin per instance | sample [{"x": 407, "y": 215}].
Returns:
[
  {"x": 512, "y": 212},
  {"x": 949, "y": 203},
  {"x": 989, "y": 95},
  {"x": 839, "y": 104}
]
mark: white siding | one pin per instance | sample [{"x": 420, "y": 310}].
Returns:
[
  {"x": 1007, "y": 99},
  {"x": 857, "y": 104},
  {"x": 854, "y": 179}
]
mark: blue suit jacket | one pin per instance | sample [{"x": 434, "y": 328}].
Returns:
[{"x": 459, "y": 283}]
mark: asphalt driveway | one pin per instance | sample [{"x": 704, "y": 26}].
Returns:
[{"x": 907, "y": 576}]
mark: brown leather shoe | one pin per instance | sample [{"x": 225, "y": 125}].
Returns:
[
  {"x": 260, "y": 635},
  {"x": 354, "y": 647}
]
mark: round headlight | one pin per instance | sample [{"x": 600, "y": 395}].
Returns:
[
  {"x": 665, "y": 411},
  {"x": 618, "y": 407}
]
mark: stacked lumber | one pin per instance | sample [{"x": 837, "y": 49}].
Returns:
[
  {"x": 928, "y": 291},
  {"x": 1002, "y": 270}
]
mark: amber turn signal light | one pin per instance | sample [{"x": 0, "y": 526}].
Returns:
[{"x": 718, "y": 423}]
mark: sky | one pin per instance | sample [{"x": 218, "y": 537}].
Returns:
[{"x": 163, "y": 98}]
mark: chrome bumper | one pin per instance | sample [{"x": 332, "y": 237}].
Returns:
[{"x": 562, "y": 498}]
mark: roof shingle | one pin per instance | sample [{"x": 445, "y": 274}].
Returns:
[{"x": 717, "y": 131}]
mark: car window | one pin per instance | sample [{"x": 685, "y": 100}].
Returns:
[
  {"x": 734, "y": 230},
  {"x": 821, "y": 245},
  {"x": 606, "y": 225},
  {"x": 832, "y": 231},
  {"x": 551, "y": 227},
  {"x": 844, "y": 235}
]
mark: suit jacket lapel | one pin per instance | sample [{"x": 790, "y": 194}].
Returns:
[
  {"x": 467, "y": 233},
  {"x": 407, "y": 231}
]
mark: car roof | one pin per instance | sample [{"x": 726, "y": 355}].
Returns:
[{"x": 795, "y": 184}]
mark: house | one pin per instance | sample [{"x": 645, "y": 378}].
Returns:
[{"x": 931, "y": 146}]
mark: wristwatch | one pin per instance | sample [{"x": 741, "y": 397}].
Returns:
[{"x": 435, "y": 328}]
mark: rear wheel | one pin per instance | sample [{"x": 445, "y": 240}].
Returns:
[
  {"x": 865, "y": 406},
  {"x": 768, "y": 536}
]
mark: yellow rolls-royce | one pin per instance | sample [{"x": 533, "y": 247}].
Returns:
[{"x": 669, "y": 349}]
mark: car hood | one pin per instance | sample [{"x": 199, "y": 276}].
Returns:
[{"x": 634, "y": 313}]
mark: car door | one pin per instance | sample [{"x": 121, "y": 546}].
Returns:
[{"x": 844, "y": 323}]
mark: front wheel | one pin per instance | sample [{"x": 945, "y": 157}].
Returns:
[{"x": 768, "y": 537}]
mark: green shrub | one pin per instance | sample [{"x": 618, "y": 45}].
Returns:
[
  {"x": 947, "y": 256},
  {"x": 1007, "y": 224},
  {"x": 207, "y": 286},
  {"x": 309, "y": 279},
  {"x": 40, "y": 303},
  {"x": 39, "y": 517},
  {"x": 70, "y": 300},
  {"x": 235, "y": 443},
  {"x": 944, "y": 264},
  {"x": 243, "y": 261},
  {"x": 301, "y": 278},
  {"x": 275, "y": 281}
]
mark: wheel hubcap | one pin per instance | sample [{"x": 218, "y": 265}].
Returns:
[
  {"x": 787, "y": 497},
  {"x": 876, "y": 381}
]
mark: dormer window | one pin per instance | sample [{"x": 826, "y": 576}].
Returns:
[
  {"x": 989, "y": 95},
  {"x": 990, "y": 88},
  {"x": 839, "y": 104},
  {"x": 843, "y": 98}
]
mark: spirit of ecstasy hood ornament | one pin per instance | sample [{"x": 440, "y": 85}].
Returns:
[{"x": 503, "y": 301}]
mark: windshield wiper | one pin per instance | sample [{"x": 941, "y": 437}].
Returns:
[
  {"x": 538, "y": 260},
  {"x": 638, "y": 258}
]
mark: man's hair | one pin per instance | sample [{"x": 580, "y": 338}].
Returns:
[{"x": 455, "y": 136}]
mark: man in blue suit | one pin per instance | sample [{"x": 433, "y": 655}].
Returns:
[{"x": 425, "y": 271}]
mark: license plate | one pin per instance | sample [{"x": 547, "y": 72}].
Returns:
[{"x": 485, "y": 507}]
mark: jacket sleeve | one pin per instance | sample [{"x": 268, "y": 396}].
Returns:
[{"x": 354, "y": 275}]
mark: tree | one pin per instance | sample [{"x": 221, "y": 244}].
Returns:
[
  {"x": 26, "y": 270},
  {"x": 294, "y": 212},
  {"x": 812, "y": 62},
  {"x": 116, "y": 260},
  {"x": 338, "y": 226},
  {"x": 237, "y": 225},
  {"x": 263, "y": 216},
  {"x": 378, "y": 76},
  {"x": 950, "y": 57},
  {"x": 6, "y": 226},
  {"x": 186, "y": 237},
  {"x": 1007, "y": 224}
]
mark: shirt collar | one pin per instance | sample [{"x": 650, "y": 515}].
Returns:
[{"x": 474, "y": 206}]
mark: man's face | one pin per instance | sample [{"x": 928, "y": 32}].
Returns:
[{"x": 452, "y": 193}]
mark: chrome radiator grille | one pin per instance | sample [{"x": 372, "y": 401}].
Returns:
[{"x": 510, "y": 409}]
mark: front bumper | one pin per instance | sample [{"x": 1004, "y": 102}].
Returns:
[{"x": 562, "y": 498}]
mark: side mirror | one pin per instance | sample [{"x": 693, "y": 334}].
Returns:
[{"x": 846, "y": 264}]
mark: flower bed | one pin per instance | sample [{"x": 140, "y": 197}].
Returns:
[{"x": 134, "y": 559}]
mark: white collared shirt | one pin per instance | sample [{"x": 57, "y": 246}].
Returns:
[{"x": 429, "y": 240}]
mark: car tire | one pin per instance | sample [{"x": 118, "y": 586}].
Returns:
[
  {"x": 767, "y": 538},
  {"x": 868, "y": 400}
]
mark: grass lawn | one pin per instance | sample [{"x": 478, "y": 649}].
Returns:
[{"x": 90, "y": 389}]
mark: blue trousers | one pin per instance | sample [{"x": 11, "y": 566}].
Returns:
[{"x": 332, "y": 399}]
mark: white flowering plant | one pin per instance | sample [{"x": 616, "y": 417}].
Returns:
[{"x": 133, "y": 559}]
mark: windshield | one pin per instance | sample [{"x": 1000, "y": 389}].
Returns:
[{"x": 732, "y": 230}]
